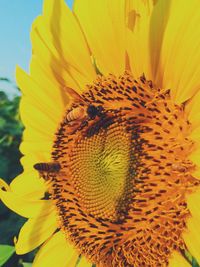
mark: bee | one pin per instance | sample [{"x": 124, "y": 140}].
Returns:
[
  {"x": 76, "y": 114},
  {"x": 47, "y": 167},
  {"x": 79, "y": 113},
  {"x": 93, "y": 111}
]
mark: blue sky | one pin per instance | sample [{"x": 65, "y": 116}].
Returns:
[{"x": 16, "y": 17}]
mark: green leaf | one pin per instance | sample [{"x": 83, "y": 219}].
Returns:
[
  {"x": 5, "y": 253},
  {"x": 5, "y": 79},
  {"x": 27, "y": 264},
  {"x": 194, "y": 263}
]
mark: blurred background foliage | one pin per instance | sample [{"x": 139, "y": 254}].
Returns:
[{"x": 10, "y": 137}]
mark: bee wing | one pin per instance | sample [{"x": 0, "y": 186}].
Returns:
[
  {"x": 72, "y": 93},
  {"x": 47, "y": 170},
  {"x": 47, "y": 176}
]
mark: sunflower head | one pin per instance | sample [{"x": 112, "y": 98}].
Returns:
[
  {"x": 120, "y": 166},
  {"x": 112, "y": 127}
]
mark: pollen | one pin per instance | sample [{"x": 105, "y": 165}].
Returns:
[{"x": 124, "y": 173}]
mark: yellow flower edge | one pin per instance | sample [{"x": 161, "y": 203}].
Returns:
[{"x": 159, "y": 42}]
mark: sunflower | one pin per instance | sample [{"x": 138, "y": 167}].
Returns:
[{"x": 112, "y": 130}]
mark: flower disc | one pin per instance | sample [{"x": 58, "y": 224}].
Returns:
[{"x": 124, "y": 173}]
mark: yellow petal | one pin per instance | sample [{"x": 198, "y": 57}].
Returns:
[
  {"x": 24, "y": 207},
  {"x": 192, "y": 237},
  {"x": 195, "y": 135},
  {"x": 39, "y": 96},
  {"x": 46, "y": 59},
  {"x": 49, "y": 84},
  {"x": 158, "y": 23},
  {"x": 32, "y": 146},
  {"x": 84, "y": 263},
  {"x": 69, "y": 39},
  {"x": 28, "y": 185},
  {"x": 35, "y": 231},
  {"x": 192, "y": 234},
  {"x": 40, "y": 115},
  {"x": 193, "y": 203},
  {"x": 4, "y": 185},
  {"x": 146, "y": 21},
  {"x": 36, "y": 118},
  {"x": 138, "y": 14},
  {"x": 180, "y": 53},
  {"x": 56, "y": 252},
  {"x": 59, "y": 45},
  {"x": 193, "y": 110},
  {"x": 31, "y": 135},
  {"x": 177, "y": 260},
  {"x": 196, "y": 173},
  {"x": 103, "y": 23},
  {"x": 195, "y": 156}
]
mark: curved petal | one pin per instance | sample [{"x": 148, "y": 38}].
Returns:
[
  {"x": 84, "y": 263},
  {"x": 193, "y": 203},
  {"x": 103, "y": 23},
  {"x": 56, "y": 252},
  {"x": 36, "y": 111},
  {"x": 180, "y": 54},
  {"x": 193, "y": 110},
  {"x": 35, "y": 231},
  {"x": 4, "y": 185},
  {"x": 158, "y": 23},
  {"x": 25, "y": 207},
  {"x": 29, "y": 186},
  {"x": 196, "y": 173},
  {"x": 195, "y": 134},
  {"x": 30, "y": 148},
  {"x": 45, "y": 81},
  {"x": 177, "y": 260},
  {"x": 40, "y": 97},
  {"x": 146, "y": 21},
  {"x": 59, "y": 45},
  {"x": 195, "y": 156},
  {"x": 192, "y": 237},
  {"x": 138, "y": 14},
  {"x": 36, "y": 118}
]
